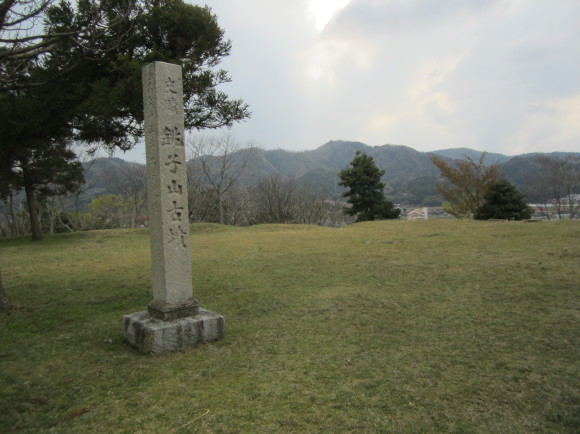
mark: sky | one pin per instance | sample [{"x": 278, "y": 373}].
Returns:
[{"x": 495, "y": 75}]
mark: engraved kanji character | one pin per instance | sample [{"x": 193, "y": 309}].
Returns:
[
  {"x": 176, "y": 211},
  {"x": 171, "y": 136},
  {"x": 175, "y": 188},
  {"x": 172, "y": 104},
  {"x": 178, "y": 235},
  {"x": 173, "y": 163},
  {"x": 170, "y": 85}
]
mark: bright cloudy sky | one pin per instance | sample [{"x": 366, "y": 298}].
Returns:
[{"x": 495, "y": 75}]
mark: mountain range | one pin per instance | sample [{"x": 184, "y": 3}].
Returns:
[{"x": 409, "y": 174}]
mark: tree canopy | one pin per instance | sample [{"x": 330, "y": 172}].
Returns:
[
  {"x": 25, "y": 43},
  {"x": 88, "y": 89},
  {"x": 559, "y": 182},
  {"x": 466, "y": 184},
  {"x": 503, "y": 201},
  {"x": 365, "y": 191}
]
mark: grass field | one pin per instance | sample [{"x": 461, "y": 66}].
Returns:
[{"x": 433, "y": 326}]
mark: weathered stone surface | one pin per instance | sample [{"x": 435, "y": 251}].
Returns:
[
  {"x": 167, "y": 185},
  {"x": 173, "y": 319},
  {"x": 149, "y": 335},
  {"x": 169, "y": 312}
]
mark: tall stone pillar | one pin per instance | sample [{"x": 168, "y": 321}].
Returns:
[
  {"x": 173, "y": 319},
  {"x": 167, "y": 192}
]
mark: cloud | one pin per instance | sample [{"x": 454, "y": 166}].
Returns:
[
  {"x": 457, "y": 73},
  {"x": 552, "y": 121},
  {"x": 389, "y": 75},
  {"x": 496, "y": 75},
  {"x": 322, "y": 11}
]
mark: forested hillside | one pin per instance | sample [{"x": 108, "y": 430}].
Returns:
[
  {"x": 255, "y": 185},
  {"x": 409, "y": 174}
]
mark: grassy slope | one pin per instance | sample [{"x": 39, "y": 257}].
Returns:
[{"x": 407, "y": 326}]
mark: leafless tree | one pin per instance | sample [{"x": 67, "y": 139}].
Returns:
[
  {"x": 130, "y": 182},
  {"x": 307, "y": 208},
  {"x": 87, "y": 159},
  {"x": 63, "y": 211},
  {"x": 14, "y": 218},
  {"x": 202, "y": 205},
  {"x": 279, "y": 199},
  {"x": 239, "y": 203},
  {"x": 217, "y": 163},
  {"x": 561, "y": 181},
  {"x": 335, "y": 216},
  {"x": 313, "y": 210},
  {"x": 53, "y": 207},
  {"x": 275, "y": 199}
]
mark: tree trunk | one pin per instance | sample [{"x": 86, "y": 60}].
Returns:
[
  {"x": 220, "y": 208},
  {"x": 52, "y": 215},
  {"x": 32, "y": 208},
  {"x": 76, "y": 219},
  {"x": 5, "y": 304},
  {"x": 14, "y": 224}
]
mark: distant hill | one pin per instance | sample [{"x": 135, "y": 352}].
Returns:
[
  {"x": 409, "y": 174},
  {"x": 524, "y": 172},
  {"x": 337, "y": 152},
  {"x": 459, "y": 153},
  {"x": 105, "y": 176}
]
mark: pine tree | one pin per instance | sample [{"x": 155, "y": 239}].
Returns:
[
  {"x": 503, "y": 201},
  {"x": 366, "y": 191},
  {"x": 96, "y": 100}
]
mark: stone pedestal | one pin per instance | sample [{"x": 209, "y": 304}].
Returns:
[
  {"x": 150, "y": 335},
  {"x": 173, "y": 319},
  {"x": 168, "y": 312}
]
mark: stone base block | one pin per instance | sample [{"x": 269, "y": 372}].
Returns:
[
  {"x": 169, "y": 312},
  {"x": 150, "y": 335}
]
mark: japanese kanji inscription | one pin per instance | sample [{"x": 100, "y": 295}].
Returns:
[{"x": 167, "y": 189}]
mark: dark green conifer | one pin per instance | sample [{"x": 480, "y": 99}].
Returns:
[
  {"x": 366, "y": 191},
  {"x": 504, "y": 201}
]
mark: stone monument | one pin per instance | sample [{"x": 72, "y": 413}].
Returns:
[{"x": 173, "y": 319}]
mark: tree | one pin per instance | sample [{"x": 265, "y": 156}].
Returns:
[
  {"x": 561, "y": 181},
  {"x": 14, "y": 220},
  {"x": 467, "y": 184},
  {"x": 108, "y": 103},
  {"x": 238, "y": 206},
  {"x": 5, "y": 303},
  {"x": 20, "y": 48},
  {"x": 275, "y": 199},
  {"x": 129, "y": 180},
  {"x": 109, "y": 211},
  {"x": 503, "y": 201},
  {"x": 36, "y": 156},
  {"x": 366, "y": 191},
  {"x": 24, "y": 44},
  {"x": 218, "y": 162},
  {"x": 101, "y": 104}
]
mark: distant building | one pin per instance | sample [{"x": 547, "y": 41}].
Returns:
[
  {"x": 569, "y": 207},
  {"x": 418, "y": 214}
]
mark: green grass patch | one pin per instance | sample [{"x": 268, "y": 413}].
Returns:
[{"x": 382, "y": 326}]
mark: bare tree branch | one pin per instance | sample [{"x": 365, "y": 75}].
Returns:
[
  {"x": 222, "y": 162},
  {"x": 22, "y": 45}
]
